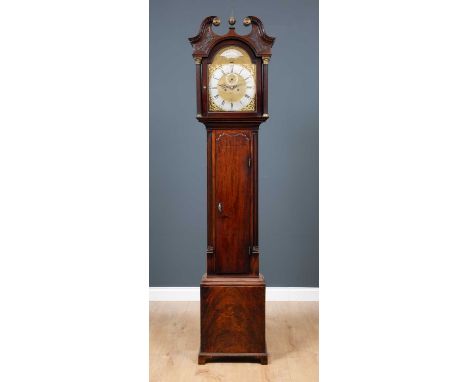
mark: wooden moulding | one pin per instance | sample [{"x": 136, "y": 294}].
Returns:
[
  {"x": 232, "y": 319},
  {"x": 206, "y": 38}
]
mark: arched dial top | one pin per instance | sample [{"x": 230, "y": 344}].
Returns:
[{"x": 231, "y": 81}]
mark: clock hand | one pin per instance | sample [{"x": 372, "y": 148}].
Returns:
[{"x": 229, "y": 87}]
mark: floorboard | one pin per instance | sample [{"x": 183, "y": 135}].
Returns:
[{"x": 292, "y": 344}]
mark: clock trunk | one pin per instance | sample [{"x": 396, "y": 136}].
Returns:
[{"x": 233, "y": 183}]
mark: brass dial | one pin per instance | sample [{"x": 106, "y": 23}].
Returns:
[
  {"x": 232, "y": 79},
  {"x": 232, "y": 88}
]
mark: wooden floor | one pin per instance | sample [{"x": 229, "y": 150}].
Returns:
[{"x": 292, "y": 344}]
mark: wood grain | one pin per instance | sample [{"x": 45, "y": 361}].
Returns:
[
  {"x": 232, "y": 195},
  {"x": 232, "y": 174},
  {"x": 232, "y": 319},
  {"x": 291, "y": 333}
]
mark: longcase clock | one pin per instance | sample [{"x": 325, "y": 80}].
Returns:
[{"x": 232, "y": 102}]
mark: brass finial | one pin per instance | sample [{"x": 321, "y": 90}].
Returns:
[
  {"x": 247, "y": 21},
  {"x": 216, "y": 21},
  {"x": 232, "y": 21}
]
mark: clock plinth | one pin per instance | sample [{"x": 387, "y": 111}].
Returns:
[
  {"x": 232, "y": 102},
  {"x": 232, "y": 319}
]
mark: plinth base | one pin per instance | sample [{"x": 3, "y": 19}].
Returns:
[
  {"x": 232, "y": 319},
  {"x": 232, "y": 357}
]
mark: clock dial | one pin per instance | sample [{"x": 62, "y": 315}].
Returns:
[
  {"x": 232, "y": 87},
  {"x": 231, "y": 81}
]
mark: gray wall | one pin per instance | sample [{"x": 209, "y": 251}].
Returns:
[{"x": 288, "y": 144}]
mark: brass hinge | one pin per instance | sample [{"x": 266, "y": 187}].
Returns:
[{"x": 253, "y": 250}]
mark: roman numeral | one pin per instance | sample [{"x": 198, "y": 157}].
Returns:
[
  {"x": 216, "y": 96},
  {"x": 232, "y": 105},
  {"x": 246, "y": 96}
]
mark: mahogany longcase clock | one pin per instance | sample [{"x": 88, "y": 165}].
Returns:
[{"x": 232, "y": 102}]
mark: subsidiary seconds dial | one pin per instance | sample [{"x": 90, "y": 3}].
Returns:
[{"x": 232, "y": 87}]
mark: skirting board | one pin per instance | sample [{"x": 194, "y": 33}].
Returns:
[{"x": 272, "y": 294}]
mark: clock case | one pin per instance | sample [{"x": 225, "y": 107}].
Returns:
[{"x": 232, "y": 292}]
